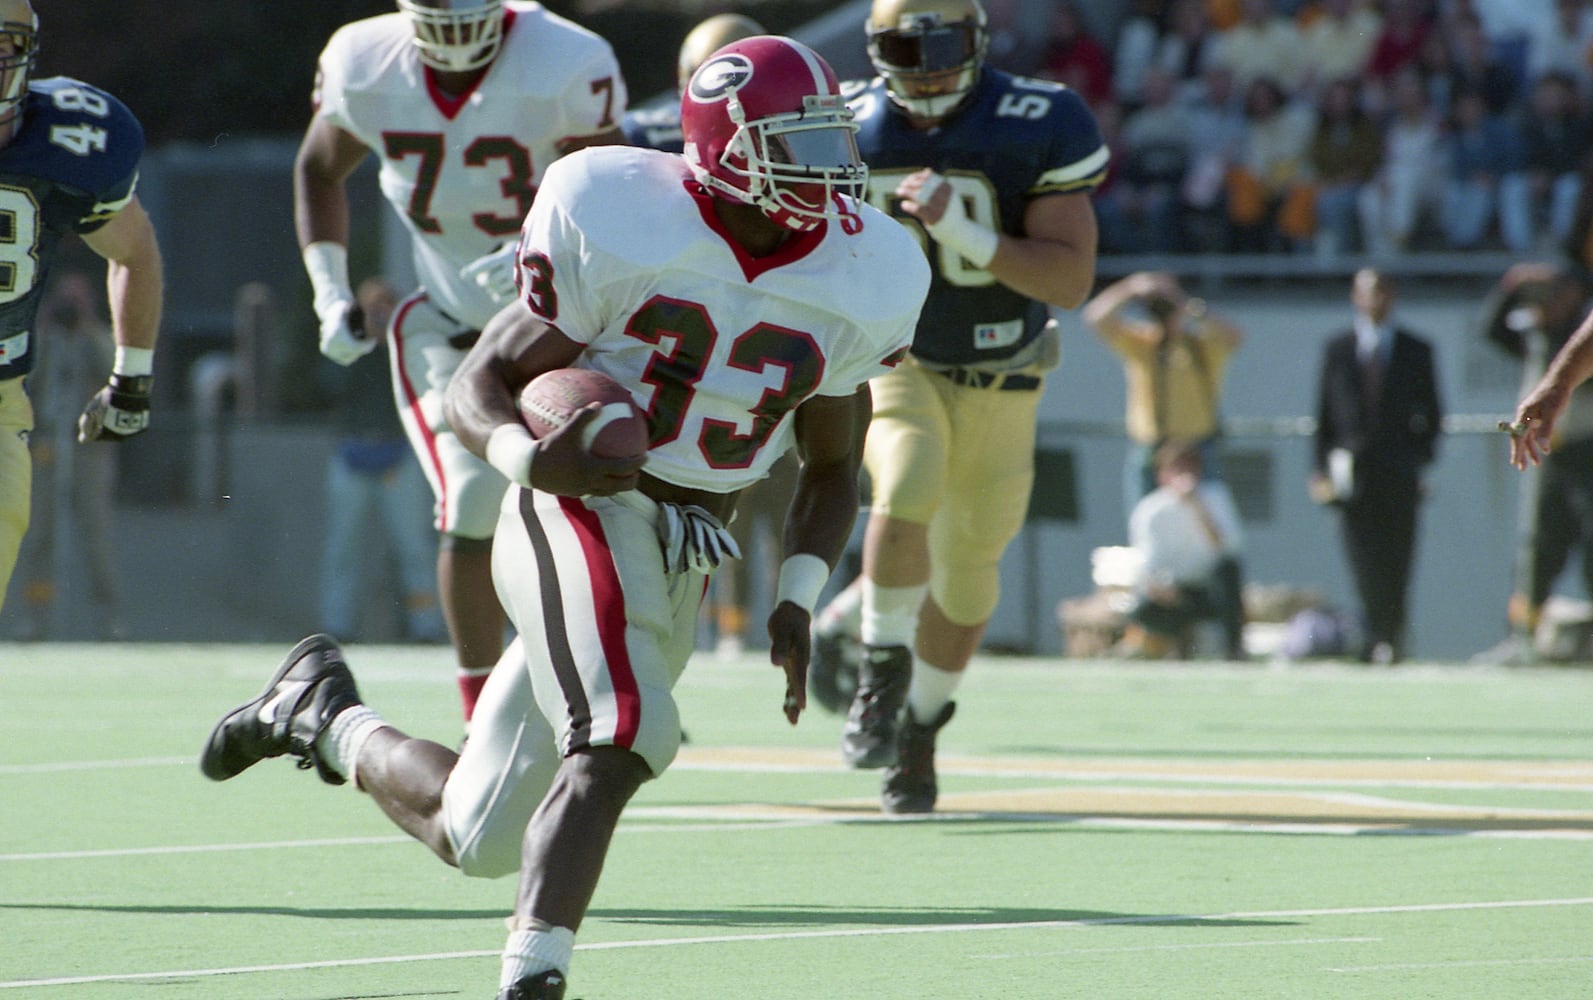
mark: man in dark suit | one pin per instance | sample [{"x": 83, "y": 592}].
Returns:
[{"x": 1378, "y": 416}]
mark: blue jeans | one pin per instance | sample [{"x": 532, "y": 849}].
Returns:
[{"x": 396, "y": 502}]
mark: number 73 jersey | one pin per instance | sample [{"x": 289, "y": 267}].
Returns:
[
  {"x": 1015, "y": 140},
  {"x": 71, "y": 166}
]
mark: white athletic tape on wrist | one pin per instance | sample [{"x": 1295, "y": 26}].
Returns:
[
  {"x": 974, "y": 242},
  {"x": 134, "y": 361},
  {"x": 511, "y": 449},
  {"x": 327, "y": 265},
  {"x": 802, "y": 578}
]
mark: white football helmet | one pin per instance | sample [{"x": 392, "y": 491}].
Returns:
[
  {"x": 928, "y": 51},
  {"x": 764, "y": 124},
  {"x": 19, "y": 50},
  {"x": 455, "y": 36}
]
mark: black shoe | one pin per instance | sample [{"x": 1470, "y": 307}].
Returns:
[
  {"x": 547, "y": 985},
  {"x": 869, "y": 738},
  {"x": 910, "y": 782},
  {"x": 310, "y": 687},
  {"x": 832, "y": 671}
]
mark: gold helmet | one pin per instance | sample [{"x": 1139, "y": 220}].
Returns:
[
  {"x": 928, "y": 51},
  {"x": 19, "y": 38},
  {"x": 709, "y": 37}
]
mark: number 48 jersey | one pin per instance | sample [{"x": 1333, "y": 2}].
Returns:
[
  {"x": 1015, "y": 140},
  {"x": 71, "y": 166}
]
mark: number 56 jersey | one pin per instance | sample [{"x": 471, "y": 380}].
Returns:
[
  {"x": 1015, "y": 140},
  {"x": 623, "y": 253},
  {"x": 71, "y": 166}
]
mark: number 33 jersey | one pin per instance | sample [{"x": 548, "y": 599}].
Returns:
[
  {"x": 623, "y": 253},
  {"x": 461, "y": 172},
  {"x": 1015, "y": 140},
  {"x": 71, "y": 166}
]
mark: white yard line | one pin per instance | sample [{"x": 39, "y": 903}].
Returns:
[{"x": 715, "y": 939}]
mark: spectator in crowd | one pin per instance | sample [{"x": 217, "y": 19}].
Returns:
[
  {"x": 1271, "y": 198},
  {"x": 1134, "y": 54},
  {"x": 1217, "y": 131},
  {"x": 1562, "y": 43},
  {"x": 1538, "y": 202},
  {"x": 1185, "y": 48},
  {"x": 1188, "y": 538},
  {"x": 1174, "y": 355},
  {"x": 1336, "y": 41},
  {"x": 1264, "y": 44},
  {"x": 1139, "y": 210},
  {"x": 1532, "y": 313},
  {"x": 74, "y": 489},
  {"x": 1471, "y": 62},
  {"x": 1017, "y": 35},
  {"x": 374, "y": 483},
  {"x": 1346, "y": 151},
  {"x": 1406, "y": 25},
  {"x": 1378, "y": 418},
  {"x": 1482, "y": 148},
  {"x": 1402, "y": 194},
  {"x": 1075, "y": 57}
]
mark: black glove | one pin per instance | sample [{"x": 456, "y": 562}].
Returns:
[{"x": 118, "y": 411}]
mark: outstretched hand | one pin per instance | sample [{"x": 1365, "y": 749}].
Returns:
[
  {"x": 790, "y": 639},
  {"x": 1533, "y": 427}
]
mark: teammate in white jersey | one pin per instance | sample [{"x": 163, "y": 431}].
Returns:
[
  {"x": 465, "y": 103},
  {"x": 745, "y": 297}
]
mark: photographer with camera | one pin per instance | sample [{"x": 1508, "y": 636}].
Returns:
[{"x": 1175, "y": 353}]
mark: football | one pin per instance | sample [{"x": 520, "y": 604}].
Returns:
[{"x": 549, "y": 401}]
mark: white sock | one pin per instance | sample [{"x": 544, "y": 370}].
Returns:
[
  {"x": 890, "y": 614},
  {"x": 529, "y": 952},
  {"x": 844, "y": 614},
  {"x": 930, "y": 690},
  {"x": 340, "y": 745}
]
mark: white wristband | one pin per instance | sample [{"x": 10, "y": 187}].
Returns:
[
  {"x": 134, "y": 361},
  {"x": 511, "y": 450},
  {"x": 802, "y": 578},
  {"x": 975, "y": 243},
  {"x": 327, "y": 265}
]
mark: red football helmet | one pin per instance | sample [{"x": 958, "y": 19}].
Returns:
[{"x": 764, "y": 124}]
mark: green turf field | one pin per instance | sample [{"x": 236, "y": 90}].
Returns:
[{"x": 1107, "y": 831}]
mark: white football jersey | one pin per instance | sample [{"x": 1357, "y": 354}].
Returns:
[
  {"x": 461, "y": 172},
  {"x": 623, "y": 253}
]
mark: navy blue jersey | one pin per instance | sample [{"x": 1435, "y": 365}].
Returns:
[
  {"x": 1015, "y": 140},
  {"x": 654, "y": 128},
  {"x": 71, "y": 166}
]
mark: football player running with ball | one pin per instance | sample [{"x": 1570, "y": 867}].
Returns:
[
  {"x": 69, "y": 157},
  {"x": 464, "y": 103},
  {"x": 745, "y": 297},
  {"x": 992, "y": 173}
]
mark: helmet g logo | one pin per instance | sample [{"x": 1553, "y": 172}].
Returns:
[{"x": 719, "y": 78}]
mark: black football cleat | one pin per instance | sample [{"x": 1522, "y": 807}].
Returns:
[
  {"x": 547, "y": 985},
  {"x": 910, "y": 785},
  {"x": 312, "y": 685},
  {"x": 869, "y": 738},
  {"x": 832, "y": 671}
]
